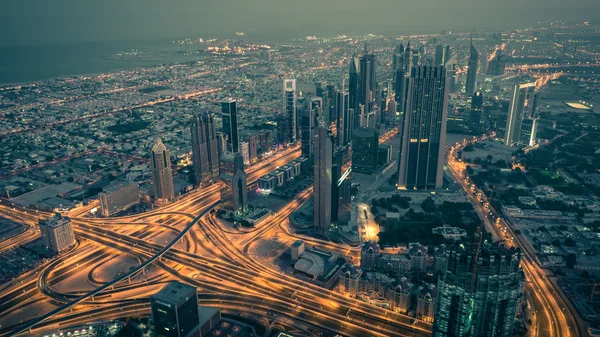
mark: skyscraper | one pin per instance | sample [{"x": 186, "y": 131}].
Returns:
[
  {"x": 307, "y": 125},
  {"x": 230, "y": 124},
  {"x": 472, "y": 72},
  {"x": 398, "y": 57},
  {"x": 441, "y": 55},
  {"x": 343, "y": 121},
  {"x": 175, "y": 311},
  {"x": 476, "y": 113},
  {"x": 205, "y": 150},
  {"x": 322, "y": 179},
  {"x": 162, "y": 176},
  {"x": 521, "y": 106},
  {"x": 497, "y": 64},
  {"x": 368, "y": 79},
  {"x": 479, "y": 292},
  {"x": 424, "y": 129},
  {"x": 365, "y": 149},
  {"x": 289, "y": 107},
  {"x": 232, "y": 173},
  {"x": 353, "y": 80}
]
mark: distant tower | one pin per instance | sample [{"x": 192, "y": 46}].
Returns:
[
  {"x": 353, "y": 84},
  {"x": 472, "y": 72},
  {"x": 205, "y": 149},
  {"x": 521, "y": 107},
  {"x": 424, "y": 129},
  {"x": 343, "y": 118},
  {"x": 230, "y": 124},
  {"x": 368, "y": 79},
  {"x": 322, "y": 179},
  {"x": 289, "y": 107},
  {"x": 441, "y": 55},
  {"x": 162, "y": 176},
  {"x": 307, "y": 125}
]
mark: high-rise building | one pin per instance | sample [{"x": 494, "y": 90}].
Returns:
[
  {"x": 331, "y": 99},
  {"x": 253, "y": 148},
  {"x": 441, "y": 55},
  {"x": 497, "y": 64},
  {"x": 528, "y": 132},
  {"x": 424, "y": 129},
  {"x": 322, "y": 179},
  {"x": 451, "y": 73},
  {"x": 118, "y": 196},
  {"x": 283, "y": 129},
  {"x": 479, "y": 292},
  {"x": 289, "y": 108},
  {"x": 175, "y": 311},
  {"x": 307, "y": 125},
  {"x": 232, "y": 173},
  {"x": 205, "y": 149},
  {"x": 230, "y": 124},
  {"x": 367, "y": 80},
  {"x": 365, "y": 149},
  {"x": 353, "y": 82},
  {"x": 476, "y": 113},
  {"x": 521, "y": 106},
  {"x": 57, "y": 233},
  {"x": 162, "y": 175},
  {"x": 343, "y": 120},
  {"x": 471, "y": 85}
]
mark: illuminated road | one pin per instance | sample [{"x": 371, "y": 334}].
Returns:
[
  {"x": 202, "y": 254},
  {"x": 556, "y": 319}
]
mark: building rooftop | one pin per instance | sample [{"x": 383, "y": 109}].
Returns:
[{"x": 174, "y": 292}]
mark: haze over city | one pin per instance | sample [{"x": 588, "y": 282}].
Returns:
[{"x": 299, "y": 168}]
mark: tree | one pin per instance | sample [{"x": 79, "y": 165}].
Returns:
[
  {"x": 469, "y": 169},
  {"x": 571, "y": 260},
  {"x": 428, "y": 205},
  {"x": 569, "y": 242},
  {"x": 585, "y": 274},
  {"x": 489, "y": 158}
]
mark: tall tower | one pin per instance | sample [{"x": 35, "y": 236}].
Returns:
[
  {"x": 205, "y": 150},
  {"x": 353, "y": 84},
  {"x": 307, "y": 125},
  {"x": 162, "y": 176},
  {"x": 365, "y": 147},
  {"x": 479, "y": 292},
  {"x": 289, "y": 107},
  {"x": 441, "y": 55},
  {"x": 521, "y": 106},
  {"x": 472, "y": 72},
  {"x": 368, "y": 79},
  {"x": 343, "y": 122},
  {"x": 322, "y": 179},
  {"x": 230, "y": 124},
  {"x": 424, "y": 129},
  {"x": 476, "y": 114},
  {"x": 232, "y": 173}
]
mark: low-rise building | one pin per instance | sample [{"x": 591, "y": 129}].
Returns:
[
  {"x": 450, "y": 233},
  {"x": 119, "y": 196},
  {"x": 57, "y": 233}
]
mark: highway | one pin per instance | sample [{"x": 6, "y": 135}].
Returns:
[
  {"x": 555, "y": 319},
  {"x": 202, "y": 254}
]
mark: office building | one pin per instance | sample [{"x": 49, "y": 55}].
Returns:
[
  {"x": 365, "y": 150},
  {"x": 322, "y": 179},
  {"x": 398, "y": 58},
  {"x": 424, "y": 129},
  {"x": 344, "y": 119},
  {"x": 367, "y": 79},
  {"x": 232, "y": 173},
  {"x": 57, "y": 233},
  {"x": 205, "y": 149},
  {"x": 471, "y": 85},
  {"x": 330, "y": 106},
  {"x": 162, "y": 175},
  {"x": 175, "y": 311},
  {"x": 353, "y": 80},
  {"x": 307, "y": 125},
  {"x": 441, "y": 55},
  {"x": 289, "y": 108},
  {"x": 118, "y": 196},
  {"x": 479, "y": 292},
  {"x": 521, "y": 106},
  {"x": 528, "y": 131},
  {"x": 476, "y": 120},
  {"x": 230, "y": 124},
  {"x": 497, "y": 64}
]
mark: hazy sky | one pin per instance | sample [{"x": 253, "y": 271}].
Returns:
[{"x": 51, "y": 21}]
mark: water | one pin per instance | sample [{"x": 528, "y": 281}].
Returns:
[{"x": 20, "y": 64}]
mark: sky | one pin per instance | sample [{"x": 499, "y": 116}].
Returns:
[{"x": 33, "y": 22}]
